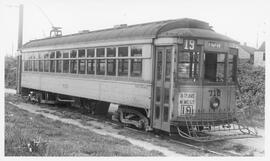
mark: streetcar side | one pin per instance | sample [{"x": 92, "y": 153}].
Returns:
[{"x": 121, "y": 74}]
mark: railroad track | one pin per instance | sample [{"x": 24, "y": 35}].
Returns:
[{"x": 169, "y": 139}]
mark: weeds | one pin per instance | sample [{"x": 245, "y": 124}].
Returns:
[
  {"x": 28, "y": 134},
  {"x": 251, "y": 93}
]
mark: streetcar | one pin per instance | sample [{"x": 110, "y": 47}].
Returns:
[{"x": 177, "y": 76}]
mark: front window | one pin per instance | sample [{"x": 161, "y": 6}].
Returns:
[
  {"x": 188, "y": 65},
  {"x": 231, "y": 68},
  {"x": 214, "y": 65},
  {"x": 232, "y": 65}
]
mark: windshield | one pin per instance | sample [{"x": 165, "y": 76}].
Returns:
[
  {"x": 188, "y": 65},
  {"x": 214, "y": 66},
  {"x": 232, "y": 65}
]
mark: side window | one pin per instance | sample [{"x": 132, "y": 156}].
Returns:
[
  {"x": 46, "y": 63},
  {"x": 111, "y": 63},
  {"x": 123, "y": 63},
  {"x": 81, "y": 66},
  {"x": 123, "y": 67},
  {"x": 58, "y": 62},
  {"x": 136, "y": 51},
  {"x": 73, "y": 61},
  {"x": 25, "y": 65},
  {"x": 41, "y": 65},
  {"x": 52, "y": 62},
  {"x": 35, "y": 62},
  {"x": 136, "y": 61},
  {"x": 52, "y": 66},
  {"x": 81, "y": 53},
  {"x": 91, "y": 65},
  {"x": 111, "y": 67},
  {"x": 122, "y": 51},
  {"x": 90, "y": 52},
  {"x": 111, "y": 52},
  {"x": 100, "y": 52},
  {"x": 52, "y": 55},
  {"x": 30, "y": 65},
  {"x": 81, "y": 61},
  {"x": 100, "y": 66},
  {"x": 73, "y": 66},
  {"x": 58, "y": 54},
  {"x": 59, "y": 66},
  {"x": 36, "y": 65},
  {"x": 73, "y": 54},
  {"x": 65, "y": 62},
  {"x": 136, "y": 68}
]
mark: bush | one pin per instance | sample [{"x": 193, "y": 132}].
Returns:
[
  {"x": 251, "y": 92},
  {"x": 10, "y": 72}
]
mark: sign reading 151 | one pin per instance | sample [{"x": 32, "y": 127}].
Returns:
[{"x": 189, "y": 44}]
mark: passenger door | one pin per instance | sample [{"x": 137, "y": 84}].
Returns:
[{"x": 162, "y": 88}]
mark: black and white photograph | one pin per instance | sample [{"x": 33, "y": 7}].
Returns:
[{"x": 134, "y": 78}]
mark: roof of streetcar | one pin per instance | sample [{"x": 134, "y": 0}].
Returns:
[{"x": 179, "y": 27}]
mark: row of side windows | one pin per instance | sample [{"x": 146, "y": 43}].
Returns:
[{"x": 120, "y": 61}]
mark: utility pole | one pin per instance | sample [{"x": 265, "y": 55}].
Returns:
[{"x": 19, "y": 56}]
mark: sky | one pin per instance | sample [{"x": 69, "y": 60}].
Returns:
[{"x": 242, "y": 20}]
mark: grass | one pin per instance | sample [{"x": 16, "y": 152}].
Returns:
[{"x": 46, "y": 137}]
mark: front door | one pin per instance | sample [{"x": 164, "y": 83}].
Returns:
[{"x": 162, "y": 88}]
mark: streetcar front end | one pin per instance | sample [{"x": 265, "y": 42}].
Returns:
[{"x": 205, "y": 91}]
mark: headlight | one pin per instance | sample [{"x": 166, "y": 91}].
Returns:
[{"x": 214, "y": 103}]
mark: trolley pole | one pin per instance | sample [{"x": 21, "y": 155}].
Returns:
[{"x": 19, "y": 56}]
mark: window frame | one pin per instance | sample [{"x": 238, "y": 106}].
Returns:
[
  {"x": 122, "y": 61},
  {"x": 93, "y": 64},
  {"x": 225, "y": 68},
  {"x": 128, "y": 52},
  {"x": 98, "y": 67},
  {"x": 132, "y": 70},
  {"x": 136, "y": 46},
  {"x": 113, "y": 62},
  {"x": 190, "y": 80},
  {"x": 79, "y": 66}
]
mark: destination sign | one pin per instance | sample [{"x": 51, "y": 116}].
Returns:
[
  {"x": 187, "y": 103},
  {"x": 214, "y": 45}
]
